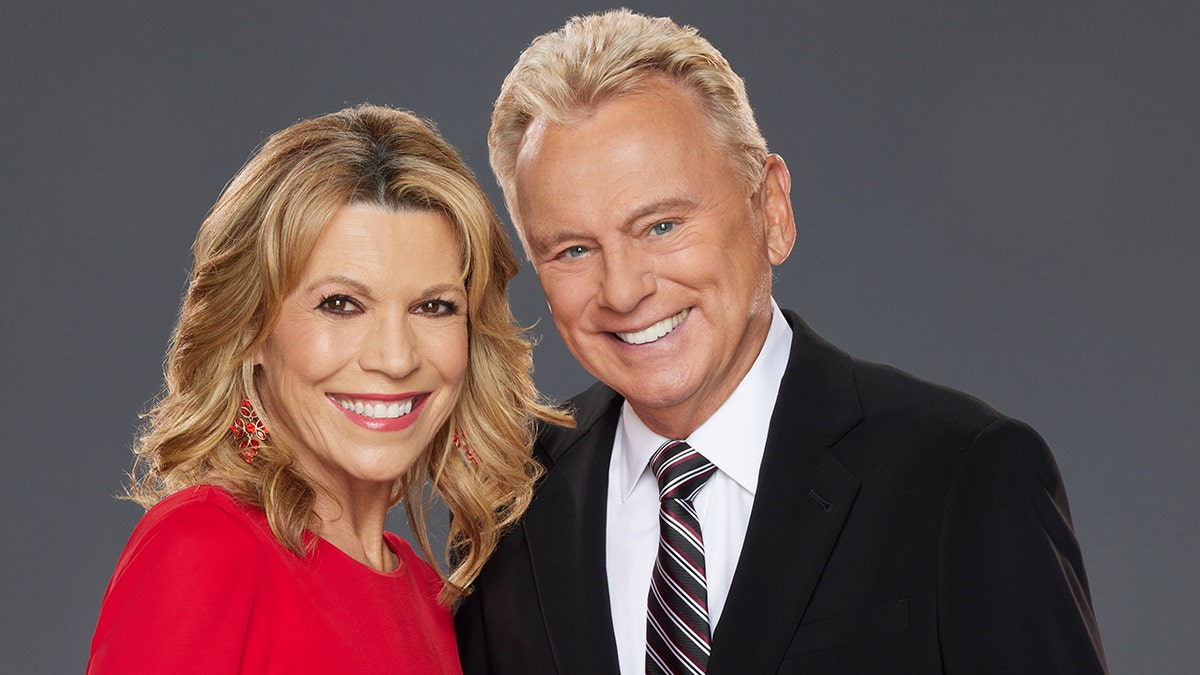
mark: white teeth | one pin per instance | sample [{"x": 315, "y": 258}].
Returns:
[
  {"x": 378, "y": 410},
  {"x": 655, "y": 331}
]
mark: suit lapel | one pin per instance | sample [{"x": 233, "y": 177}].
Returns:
[
  {"x": 565, "y": 534},
  {"x": 803, "y": 497}
]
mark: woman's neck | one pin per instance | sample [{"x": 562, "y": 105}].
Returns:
[{"x": 355, "y": 526}]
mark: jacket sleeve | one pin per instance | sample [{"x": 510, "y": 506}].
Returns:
[
  {"x": 181, "y": 597},
  {"x": 472, "y": 636},
  {"x": 1012, "y": 592}
]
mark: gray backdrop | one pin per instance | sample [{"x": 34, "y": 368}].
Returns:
[{"x": 998, "y": 196}]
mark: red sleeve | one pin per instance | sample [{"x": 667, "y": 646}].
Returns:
[{"x": 181, "y": 596}]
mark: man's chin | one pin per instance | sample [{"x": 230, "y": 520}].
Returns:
[{"x": 659, "y": 399}]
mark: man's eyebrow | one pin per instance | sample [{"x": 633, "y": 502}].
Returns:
[
  {"x": 661, "y": 206},
  {"x": 545, "y": 245}
]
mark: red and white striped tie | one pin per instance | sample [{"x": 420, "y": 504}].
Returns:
[{"x": 677, "y": 631}]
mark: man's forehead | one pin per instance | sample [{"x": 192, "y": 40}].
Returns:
[
  {"x": 642, "y": 155},
  {"x": 657, "y": 87}
]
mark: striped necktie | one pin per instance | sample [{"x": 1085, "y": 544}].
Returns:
[{"x": 677, "y": 632}]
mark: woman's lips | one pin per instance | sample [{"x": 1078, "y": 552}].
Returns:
[{"x": 392, "y": 412}]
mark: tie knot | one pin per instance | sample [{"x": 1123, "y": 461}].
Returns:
[{"x": 680, "y": 470}]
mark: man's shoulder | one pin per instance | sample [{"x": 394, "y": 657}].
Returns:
[
  {"x": 592, "y": 407},
  {"x": 889, "y": 391},
  {"x": 922, "y": 424},
  {"x": 845, "y": 387}
]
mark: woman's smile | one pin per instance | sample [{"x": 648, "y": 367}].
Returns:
[{"x": 381, "y": 413}]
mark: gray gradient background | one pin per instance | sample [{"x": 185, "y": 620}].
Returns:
[{"x": 1001, "y": 197}]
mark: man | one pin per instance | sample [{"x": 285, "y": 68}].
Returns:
[{"x": 836, "y": 516}]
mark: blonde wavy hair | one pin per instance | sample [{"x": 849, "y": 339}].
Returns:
[
  {"x": 250, "y": 252},
  {"x": 565, "y": 75}
]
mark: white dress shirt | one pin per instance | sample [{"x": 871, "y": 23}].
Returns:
[{"x": 733, "y": 439}]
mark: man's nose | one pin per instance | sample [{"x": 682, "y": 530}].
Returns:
[{"x": 628, "y": 278}]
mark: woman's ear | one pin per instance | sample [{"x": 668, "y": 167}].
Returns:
[{"x": 257, "y": 356}]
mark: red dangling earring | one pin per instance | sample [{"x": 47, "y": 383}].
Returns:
[
  {"x": 248, "y": 430},
  {"x": 468, "y": 454}
]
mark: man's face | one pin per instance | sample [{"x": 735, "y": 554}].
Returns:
[{"x": 654, "y": 256}]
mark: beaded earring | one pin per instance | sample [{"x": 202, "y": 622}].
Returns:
[
  {"x": 468, "y": 454},
  {"x": 248, "y": 430}
]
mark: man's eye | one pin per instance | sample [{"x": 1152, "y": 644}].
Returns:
[
  {"x": 663, "y": 227},
  {"x": 338, "y": 304},
  {"x": 575, "y": 252}
]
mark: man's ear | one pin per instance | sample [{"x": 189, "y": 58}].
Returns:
[{"x": 776, "y": 204}]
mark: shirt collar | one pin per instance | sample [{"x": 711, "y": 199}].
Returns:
[{"x": 734, "y": 437}]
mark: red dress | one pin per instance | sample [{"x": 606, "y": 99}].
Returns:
[{"x": 203, "y": 586}]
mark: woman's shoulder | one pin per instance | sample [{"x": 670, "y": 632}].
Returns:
[
  {"x": 186, "y": 583},
  {"x": 208, "y": 504},
  {"x": 199, "y": 523}
]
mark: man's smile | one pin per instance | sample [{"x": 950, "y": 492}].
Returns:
[{"x": 654, "y": 331}]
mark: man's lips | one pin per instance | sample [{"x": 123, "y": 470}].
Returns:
[{"x": 654, "y": 331}]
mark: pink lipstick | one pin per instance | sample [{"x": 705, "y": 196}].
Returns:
[{"x": 380, "y": 412}]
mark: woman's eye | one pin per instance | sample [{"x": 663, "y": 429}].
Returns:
[
  {"x": 663, "y": 227},
  {"x": 437, "y": 307},
  {"x": 338, "y": 304}
]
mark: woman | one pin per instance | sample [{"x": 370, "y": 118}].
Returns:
[{"x": 345, "y": 342}]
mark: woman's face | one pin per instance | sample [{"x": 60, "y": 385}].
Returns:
[{"x": 369, "y": 354}]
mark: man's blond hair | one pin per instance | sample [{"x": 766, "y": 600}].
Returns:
[{"x": 565, "y": 75}]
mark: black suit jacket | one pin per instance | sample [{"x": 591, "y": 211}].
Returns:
[{"x": 898, "y": 527}]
